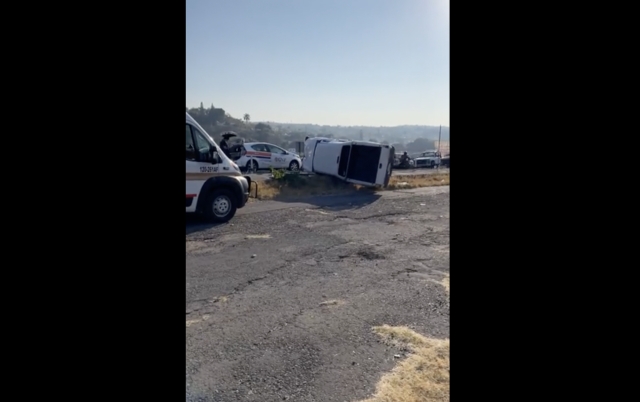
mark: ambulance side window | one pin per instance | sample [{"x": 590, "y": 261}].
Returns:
[{"x": 191, "y": 149}]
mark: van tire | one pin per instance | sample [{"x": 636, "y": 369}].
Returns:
[{"x": 220, "y": 206}]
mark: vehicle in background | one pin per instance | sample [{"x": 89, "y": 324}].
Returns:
[
  {"x": 234, "y": 144},
  {"x": 299, "y": 148},
  {"x": 428, "y": 159},
  {"x": 445, "y": 161},
  {"x": 397, "y": 165},
  {"x": 214, "y": 186},
  {"x": 261, "y": 155},
  {"x": 359, "y": 162}
]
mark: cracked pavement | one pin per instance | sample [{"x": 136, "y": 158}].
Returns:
[{"x": 280, "y": 302}]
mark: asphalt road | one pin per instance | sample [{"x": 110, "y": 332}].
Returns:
[
  {"x": 281, "y": 301},
  {"x": 264, "y": 174}
]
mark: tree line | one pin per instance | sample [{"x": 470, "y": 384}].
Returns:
[{"x": 216, "y": 121}]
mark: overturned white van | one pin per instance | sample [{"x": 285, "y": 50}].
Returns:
[{"x": 358, "y": 162}]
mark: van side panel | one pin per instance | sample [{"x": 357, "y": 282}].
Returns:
[
  {"x": 326, "y": 157},
  {"x": 194, "y": 185},
  {"x": 309, "y": 149}
]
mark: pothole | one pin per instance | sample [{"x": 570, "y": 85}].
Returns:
[{"x": 370, "y": 255}]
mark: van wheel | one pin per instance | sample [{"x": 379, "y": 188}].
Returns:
[
  {"x": 294, "y": 165},
  {"x": 220, "y": 206},
  {"x": 253, "y": 167}
]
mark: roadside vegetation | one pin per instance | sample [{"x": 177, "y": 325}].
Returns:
[
  {"x": 424, "y": 375},
  {"x": 421, "y": 377},
  {"x": 293, "y": 185}
]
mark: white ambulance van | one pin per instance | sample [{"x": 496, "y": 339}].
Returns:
[
  {"x": 358, "y": 162},
  {"x": 215, "y": 186}
]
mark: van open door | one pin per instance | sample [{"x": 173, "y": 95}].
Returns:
[{"x": 369, "y": 164}]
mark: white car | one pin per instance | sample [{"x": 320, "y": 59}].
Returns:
[
  {"x": 264, "y": 156},
  {"x": 428, "y": 159}
]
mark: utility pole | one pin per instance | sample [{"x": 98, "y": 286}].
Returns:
[{"x": 439, "y": 156}]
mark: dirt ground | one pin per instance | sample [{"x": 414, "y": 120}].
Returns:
[{"x": 287, "y": 301}]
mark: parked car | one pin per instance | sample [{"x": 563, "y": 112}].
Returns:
[
  {"x": 261, "y": 155},
  {"x": 445, "y": 161},
  {"x": 359, "y": 162},
  {"x": 429, "y": 159}
]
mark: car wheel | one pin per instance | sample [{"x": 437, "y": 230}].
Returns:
[
  {"x": 252, "y": 165},
  {"x": 433, "y": 164},
  {"x": 294, "y": 165},
  {"x": 220, "y": 206}
]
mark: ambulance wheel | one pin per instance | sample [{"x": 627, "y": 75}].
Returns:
[{"x": 220, "y": 206}]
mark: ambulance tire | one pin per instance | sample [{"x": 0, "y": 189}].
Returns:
[{"x": 220, "y": 206}]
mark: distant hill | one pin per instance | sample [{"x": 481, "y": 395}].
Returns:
[
  {"x": 396, "y": 133},
  {"x": 408, "y": 137}
]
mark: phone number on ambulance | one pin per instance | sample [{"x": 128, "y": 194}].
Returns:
[{"x": 208, "y": 169}]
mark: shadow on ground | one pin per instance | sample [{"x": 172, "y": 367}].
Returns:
[
  {"x": 195, "y": 223},
  {"x": 336, "y": 202}
]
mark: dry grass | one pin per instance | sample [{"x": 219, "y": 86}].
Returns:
[
  {"x": 332, "y": 303},
  {"x": 423, "y": 180},
  {"x": 325, "y": 185},
  {"x": 304, "y": 186},
  {"x": 445, "y": 283},
  {"x": 421, "y": 377},
  {"x": 197, "y": 320}
]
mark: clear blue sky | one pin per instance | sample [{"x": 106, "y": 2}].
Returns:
[{"x": 334, "y": 62}]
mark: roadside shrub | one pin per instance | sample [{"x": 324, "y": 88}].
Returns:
[
  {"x": 288, "y": 179},
  {"x": 278, "y": 174}
]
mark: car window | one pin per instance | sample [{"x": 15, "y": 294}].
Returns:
[
  {"x": 191, "y": 149},
  {"x": 275, "y": 150},
  {"x": 259, "y": 148}
]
